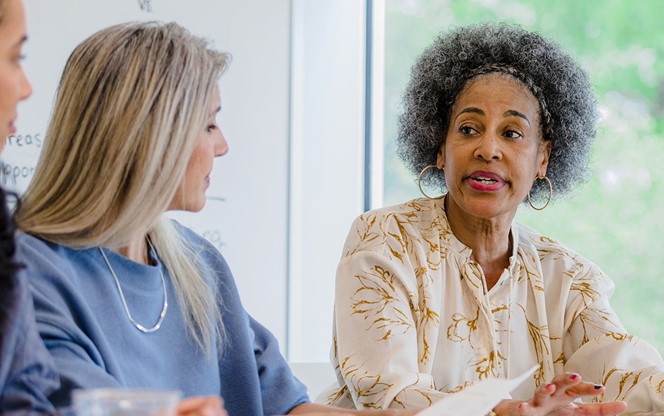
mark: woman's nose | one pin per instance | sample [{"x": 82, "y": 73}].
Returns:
[
  {"x": 26, "y": 87},
  {"x": 221, "y": 145},
  {"x": 488, "y": 148}
]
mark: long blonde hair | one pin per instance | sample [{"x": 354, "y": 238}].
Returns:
[{"x": 131, "y": 102}]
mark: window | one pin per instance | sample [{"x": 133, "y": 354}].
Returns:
[{"x": 614, "y": 219}]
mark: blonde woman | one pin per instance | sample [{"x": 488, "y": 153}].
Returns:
[
  {"x": 27, "y": 374},
  {"x": 123, "y": 296}
]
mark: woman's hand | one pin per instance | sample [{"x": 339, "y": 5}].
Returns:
[
  {"x": 557, "y": 399},
  {"x": 202, "y": 406}
]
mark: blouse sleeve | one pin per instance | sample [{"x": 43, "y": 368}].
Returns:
[
  {"x": 600, "y": 349},
  {"x": 377, "y": 322}
]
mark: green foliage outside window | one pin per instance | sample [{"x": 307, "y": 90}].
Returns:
[{"x": 616, "y": 219}]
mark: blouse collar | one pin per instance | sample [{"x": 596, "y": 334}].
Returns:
[{"x": 459, "y": 248}]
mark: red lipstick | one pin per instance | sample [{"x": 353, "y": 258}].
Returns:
[{"x": 485, "y": 181}]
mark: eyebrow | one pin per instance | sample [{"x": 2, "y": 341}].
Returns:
[
  {"x": 471, "y": 110},
  {"x": 21, "y": 41},
  {"x": 508, "y": 113},
  {"x": 215, "y": 111}
]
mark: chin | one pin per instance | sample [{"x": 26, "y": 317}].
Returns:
[
  {"x": 197, "y": 206},
  {"x": 189, "y": 206},
  {"x": 483, "y": 207}
]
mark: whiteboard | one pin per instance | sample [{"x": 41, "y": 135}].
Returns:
[{"x": 246, "y": 214}]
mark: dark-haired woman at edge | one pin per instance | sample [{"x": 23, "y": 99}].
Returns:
[{"x": 26, "y": 369}]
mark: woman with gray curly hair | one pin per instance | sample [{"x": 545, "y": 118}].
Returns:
[{"x": 441, "y": 292}]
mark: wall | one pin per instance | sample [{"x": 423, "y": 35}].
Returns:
[
  {"x": 327, "y": 161},
  {"x": 246, "y": 215}
]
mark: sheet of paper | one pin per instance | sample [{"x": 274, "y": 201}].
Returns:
[{"x": 478, "y": 399}]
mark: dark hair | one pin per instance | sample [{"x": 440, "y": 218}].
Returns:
[
  {"x": 568, "y": 106},
  {"x": 8, "y": 265}
]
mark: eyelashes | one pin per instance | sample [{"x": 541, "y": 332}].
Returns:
[{"x": 466, "y": 130}]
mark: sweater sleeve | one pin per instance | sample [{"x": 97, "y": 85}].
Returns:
[
  {"x": 281, "y": 391},
  {"x": 267, "y": 385},
  {"x": 28, "y": 369},
  {"x": 77, "y": 360}
]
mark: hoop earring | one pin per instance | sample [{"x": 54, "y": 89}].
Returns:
[
  {"x": 419, "y": 181},
  {"x": 547, "y": 201}
]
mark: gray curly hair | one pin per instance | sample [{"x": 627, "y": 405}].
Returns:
[{"x": 568, "y": 106}]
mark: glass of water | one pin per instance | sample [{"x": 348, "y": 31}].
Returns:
[{"x": 121, "y": 402}]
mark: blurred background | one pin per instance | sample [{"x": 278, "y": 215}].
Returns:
[{"x": 616, "y": 219}]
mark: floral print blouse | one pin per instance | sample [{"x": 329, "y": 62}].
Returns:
[{"x": 414, "y": 321}]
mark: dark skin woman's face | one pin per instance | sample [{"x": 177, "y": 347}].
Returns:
[{"x": 494, "y": 148}]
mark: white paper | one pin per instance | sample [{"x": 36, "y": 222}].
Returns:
[{"x": 478, "y": 399}]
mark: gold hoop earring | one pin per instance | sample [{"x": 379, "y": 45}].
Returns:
[
  {"x": 547, "y": 201},
  {"x": 419, "y": 181}
]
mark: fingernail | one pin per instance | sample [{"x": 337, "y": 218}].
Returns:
[
  {"x": 548, "y": 386},
  {"x": 574, "y": 376},
  {"x": 598, "y": 386}
]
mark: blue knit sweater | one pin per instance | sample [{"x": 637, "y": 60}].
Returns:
[
  {"x": 27, "y": 372},
  {"x": 83, "y": 323}
]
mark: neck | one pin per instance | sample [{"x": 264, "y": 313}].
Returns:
[
  {"x": 488, "y": 238},
  {"x": 136, "y": 250}
]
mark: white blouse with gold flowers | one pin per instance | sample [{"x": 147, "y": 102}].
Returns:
[{"x": 413, "y": 322}]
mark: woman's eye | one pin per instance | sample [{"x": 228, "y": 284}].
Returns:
[
  {"x": 512, "y": 134},
  {"x": 18, "y": 58},
  {"x": 466, "y": 130},
  {"x": 211, "y": 127}
]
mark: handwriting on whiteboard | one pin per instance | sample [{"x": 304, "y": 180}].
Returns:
[
  {"x": 25, "y": 140},
  {"x": 214, "y": 237},
  {"x": 145, "y": 5},
  {"x": 16, "y": 175}
]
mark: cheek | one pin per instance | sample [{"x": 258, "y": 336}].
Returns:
[
  {"x": 6, "y": 92},
  {"x": 196, "y": 160},
  {"x": 199, "y": 165},
  {"x": 450, "y": 165},
  {"x": 194, "y": 170}
]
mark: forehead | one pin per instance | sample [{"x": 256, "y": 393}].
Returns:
[
  {"x": 497, "y": 89},
  {"x": 12, "y": 22}
]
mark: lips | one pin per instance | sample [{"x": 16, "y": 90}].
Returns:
[{"x": 485, "y": 181}]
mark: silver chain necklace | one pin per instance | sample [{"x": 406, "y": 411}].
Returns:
[{"x": 164, "y": 308}]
